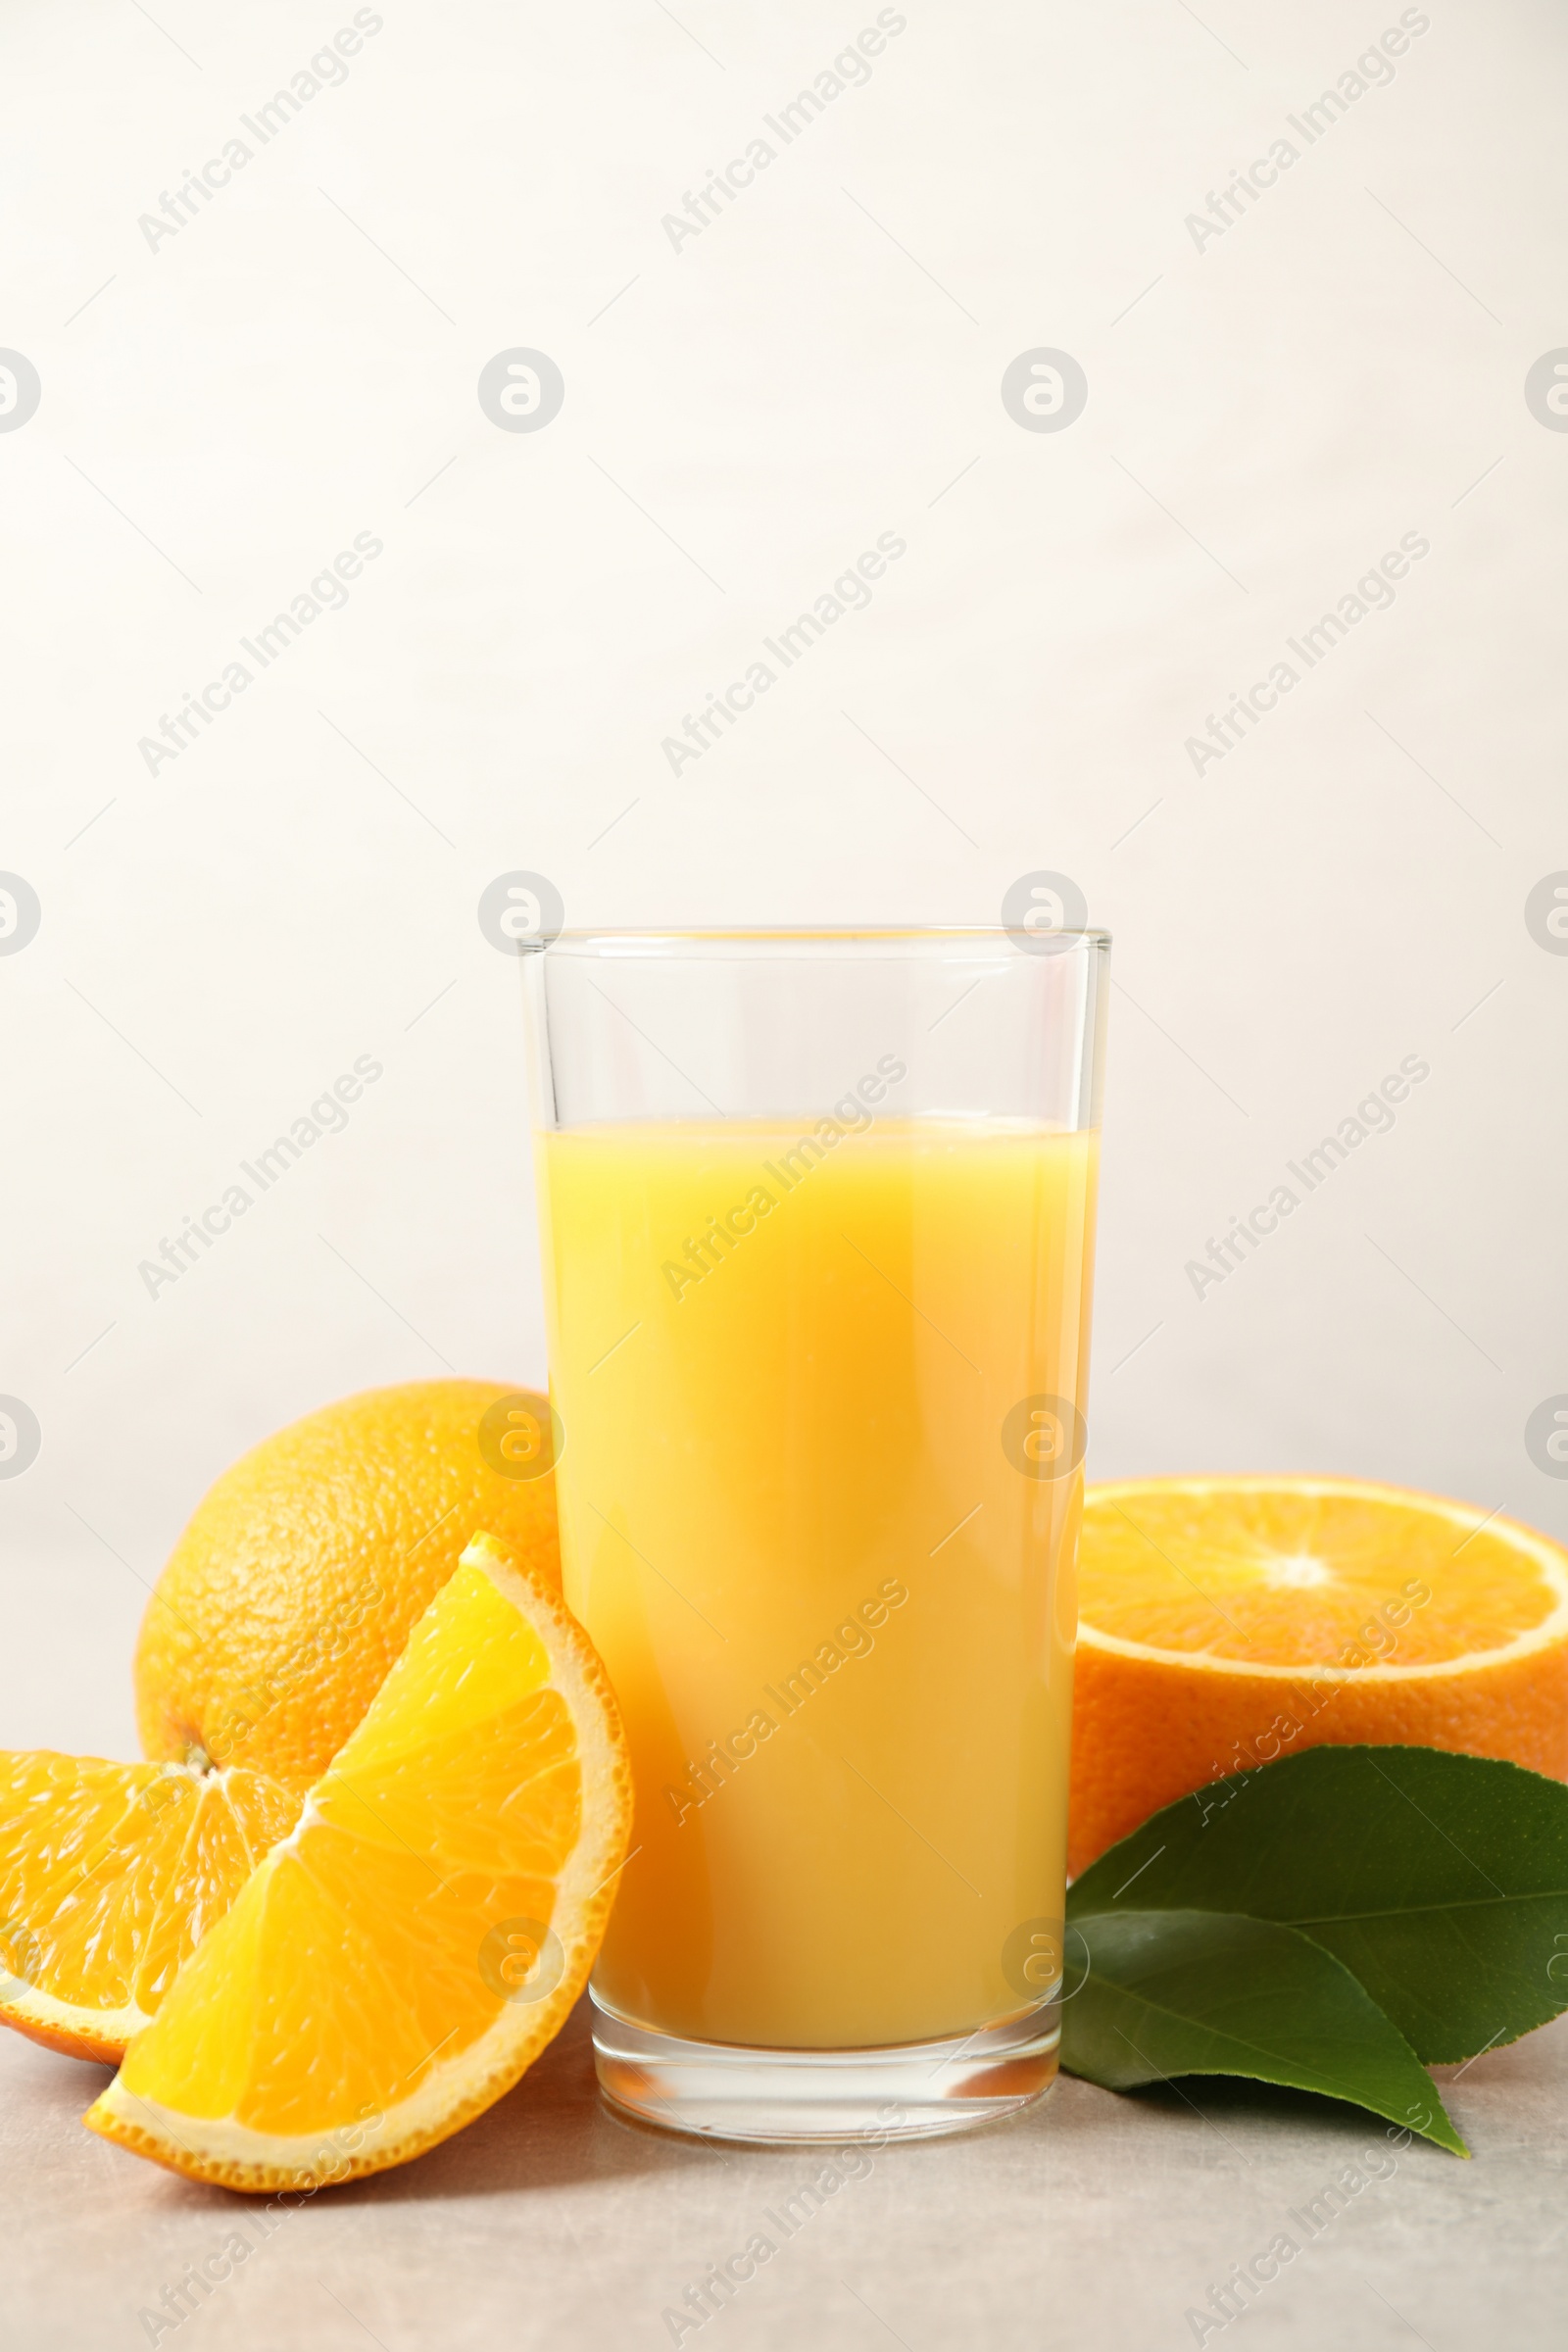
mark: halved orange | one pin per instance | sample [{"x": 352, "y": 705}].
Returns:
[
  {"x": 1223, "y": 1622},
  {"x": 109, "y": 1874},
  {"x": 406, "y": 1952}
]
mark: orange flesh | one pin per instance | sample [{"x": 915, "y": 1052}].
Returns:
[
  {"x": 1274, "y": 1577},
  {"x": 110, "y": 1874}
]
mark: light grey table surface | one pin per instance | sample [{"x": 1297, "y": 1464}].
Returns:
[{"x": 1094, "y": 2220}]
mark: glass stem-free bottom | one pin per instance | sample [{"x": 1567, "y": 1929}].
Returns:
[{"x": 902, "y": 2091}]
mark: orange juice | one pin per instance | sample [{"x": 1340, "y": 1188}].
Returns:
[{"x": 823, "y": 1533}]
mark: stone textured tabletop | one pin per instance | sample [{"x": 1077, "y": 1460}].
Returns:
[{"x": 1096, "y": 2220}]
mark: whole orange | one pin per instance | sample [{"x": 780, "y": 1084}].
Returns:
[{"x": 295, "y": 1586}]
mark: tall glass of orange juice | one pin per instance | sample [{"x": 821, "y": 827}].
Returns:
[{"x": 817, "y": 1212}]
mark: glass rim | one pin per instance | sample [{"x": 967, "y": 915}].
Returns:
[{"x": 820, "y": 935}]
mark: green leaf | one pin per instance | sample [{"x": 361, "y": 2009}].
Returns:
[
  {"x": 1440, "y": 1880},
  {"x": 1211, "y": 1992}
]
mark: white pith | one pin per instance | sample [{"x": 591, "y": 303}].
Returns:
[
  {"x": 1550, "y": 1561},
  {"x": 35, "y": 2008},
  {"x": 1297, "y": 1571},
  {"x": 326, "y": 2153}
]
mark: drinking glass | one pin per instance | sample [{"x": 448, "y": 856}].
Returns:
[{"x": 817, "y": 1213}]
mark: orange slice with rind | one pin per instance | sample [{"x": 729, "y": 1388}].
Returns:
[
  {"x": 1224, "y": 1622},
  {"x": 109, "y": 1874},
  {"x": 400, "y": 1959}
]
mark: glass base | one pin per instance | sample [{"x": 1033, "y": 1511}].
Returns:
[{"x": 902, "y": 2091}]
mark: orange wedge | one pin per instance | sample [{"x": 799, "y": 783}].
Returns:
[
  {"x": 406, "y": 1952},
  {"x": 110, "y": 1874},
  {"x": 1223, "y": 1622}
]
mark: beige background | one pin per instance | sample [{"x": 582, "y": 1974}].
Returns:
[{"x": 1266, "y": 416}]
